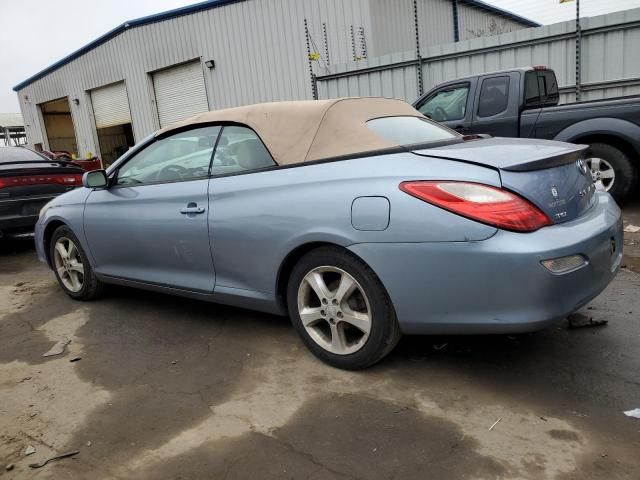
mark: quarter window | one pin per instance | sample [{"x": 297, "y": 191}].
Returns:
[
  {"x": 494, "y": 96},
  {"x": 239, "y": 150},
  {"x": 447, "y": 104},
  {"x": 183, "y": 156}
]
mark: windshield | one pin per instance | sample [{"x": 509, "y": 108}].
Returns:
[{"x": 410, "y": 130}]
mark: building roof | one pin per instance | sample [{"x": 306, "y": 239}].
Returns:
[
  {"x": 205, "y": 5},
  {"x": 308, "y": 130},
  {"x": 9, "y": 120}
]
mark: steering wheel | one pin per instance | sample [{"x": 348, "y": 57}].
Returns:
[
  {"x": 440, "y": 114},
  {"x": 171, "y": 172}
]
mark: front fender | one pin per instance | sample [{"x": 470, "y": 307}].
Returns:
[
  {"x": 613, "y": 127},
  {"x": 70, "y": 213}
]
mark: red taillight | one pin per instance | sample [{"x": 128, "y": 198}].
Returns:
[
  {"x": 70, "y": 179},
  {"x": 482, "y": 203}
]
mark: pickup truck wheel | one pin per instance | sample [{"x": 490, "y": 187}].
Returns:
[{"x": 611, "y": 169}]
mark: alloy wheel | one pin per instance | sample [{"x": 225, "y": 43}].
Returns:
[
  {"x": 334, "y": 310},
  {"x": 68, "y": 264},
  {"x": 602, "y": 173}
]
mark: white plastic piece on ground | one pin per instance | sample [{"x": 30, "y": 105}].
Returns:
[
  {"x": 632, "y": 229},
  {"x": 57, "y": 349},
  {"x": 635, "y": 413}
]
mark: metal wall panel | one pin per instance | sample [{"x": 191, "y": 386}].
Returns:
[
  {"x": 475, "y": 23},
  {"x": 435, "y": 22},
  {"x": 610, "y": 63},
  {"x": 392, "y": 26}
]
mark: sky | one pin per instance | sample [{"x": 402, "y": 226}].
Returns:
[{"x": 36, "y": 33}]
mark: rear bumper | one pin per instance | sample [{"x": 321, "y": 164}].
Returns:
[
  {"x": 20, "y": 215},
  {"x": 498, "y": 285}
]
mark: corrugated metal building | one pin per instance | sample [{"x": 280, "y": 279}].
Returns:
[{"x": 150, "y": 72}]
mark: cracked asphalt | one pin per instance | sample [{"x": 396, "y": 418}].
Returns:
[{"x": 178, "y": 389}]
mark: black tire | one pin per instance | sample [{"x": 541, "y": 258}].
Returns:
[
  {"x": 91, "y": 286},
  {"x": 626, "y": 172},
  {"x": 385, "y": 331}
]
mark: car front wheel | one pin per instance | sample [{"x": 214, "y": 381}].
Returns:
[
  {"x": 341, "y": 310},
  {"x": 71, "y": 266}
]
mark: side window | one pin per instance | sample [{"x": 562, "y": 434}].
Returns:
[
  {"x": 531, "y": 89},
  {"x": 183, "y": 156},
  {"x": 239, "y": 150},
  {"x": 447, "y": 104},
  {"x": 494, "y": 96}
]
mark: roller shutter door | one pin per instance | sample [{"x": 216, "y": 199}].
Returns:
[
  {"x": 180, "y": 93},
  {"x": 110, "y": 105}
]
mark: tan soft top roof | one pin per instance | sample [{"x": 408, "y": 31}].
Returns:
[{"x": 303, "y": 131}]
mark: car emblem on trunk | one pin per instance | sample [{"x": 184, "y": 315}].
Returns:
[
  {"x": 582, "y": 166},
  {"x": 554, "y": 192}
]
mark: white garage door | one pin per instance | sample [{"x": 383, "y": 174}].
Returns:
[
  {"x": 180, "y": 93},
  {"x": 110, "y": 105}
]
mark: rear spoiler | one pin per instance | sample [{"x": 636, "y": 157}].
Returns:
[
  {"x": 549, "y": 162},
  {"x": 37, "y": 167}
]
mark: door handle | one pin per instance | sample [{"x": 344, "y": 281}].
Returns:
[{"x": 192, "y": 208}]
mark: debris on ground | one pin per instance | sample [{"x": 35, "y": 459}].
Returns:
[
  {"x": 632, "y": 228},
  {"x": 578, "y": 320},
  {"x": 9, "y": 467},
  {"x": 403, "y": 409},
  {"x": 57, "y": 349},
  {"x": 635, "y": 413},
  {"x": 23, "y": 380},
  {"x": 56, "y": 457},
  {"x": 75, "y": 359},
  {"x": 89, "y": 443},
  {"x": 30, "y": 450},
  {"x": 440, "y": 347},
  {"x": 495, "y": 423}
]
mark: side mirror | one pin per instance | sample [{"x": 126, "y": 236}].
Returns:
[{"x": 95, "y": 179}]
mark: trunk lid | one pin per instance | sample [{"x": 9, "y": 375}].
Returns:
[
  {"x": 37, "y": 178},
  {"x": 551, "y": 175}
]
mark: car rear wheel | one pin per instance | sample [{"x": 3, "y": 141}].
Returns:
[
  {"x": 341, "y": 310},
  {"x": 611, "y": 169},
  {"x": 71, "y": 266}
]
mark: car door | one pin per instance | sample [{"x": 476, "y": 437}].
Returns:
[
  {"x": 151, "y": 224},
  {"x": 240, "y": 224},
  {"x": 496, "y": 111},
  {"x": 450, "y": 105}
]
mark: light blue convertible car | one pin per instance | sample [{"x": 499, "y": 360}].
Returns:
[{"x": 359, "y": 218}]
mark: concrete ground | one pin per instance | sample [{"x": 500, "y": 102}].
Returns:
[{"x": 173, "y": 388}]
